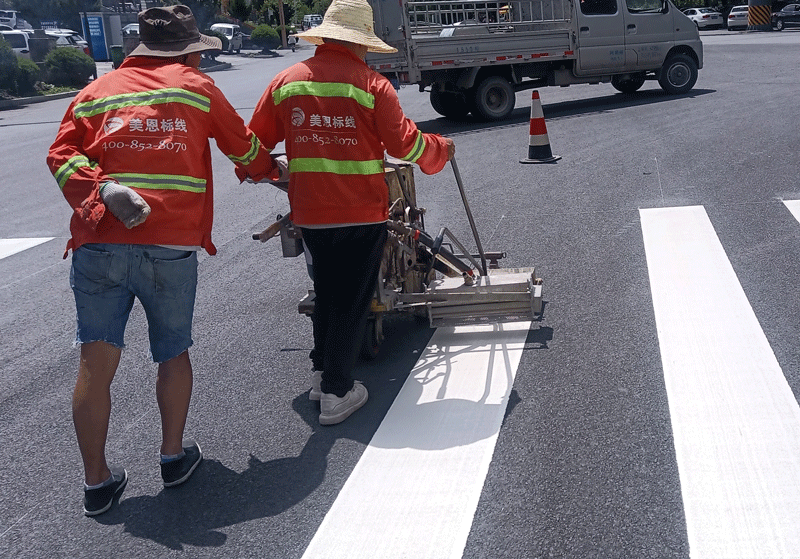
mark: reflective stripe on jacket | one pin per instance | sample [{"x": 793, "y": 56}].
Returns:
[
  {"x": 337, "y": 118},
  {"x": 146, "y": 125}
]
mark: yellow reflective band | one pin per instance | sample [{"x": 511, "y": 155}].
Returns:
[
  {"x": 248, "y": 157},
  {"x": 416, "y": 151},
  {"x": 322, "y": 89},
  {"x": 162, "y": 182},
  {"x": 322, "y": 165},
  {"x": 143, "y": 98},
  {"x": 67, "y": 169}
]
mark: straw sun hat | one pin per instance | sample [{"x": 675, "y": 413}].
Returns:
[
  {"x": 171, "y": 31},
  {"x": 348, "y": 20}
]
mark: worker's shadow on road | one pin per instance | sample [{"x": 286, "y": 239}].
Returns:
[
  {"x": 555, "y": 111},
  {"x": 217, "y": 496}
]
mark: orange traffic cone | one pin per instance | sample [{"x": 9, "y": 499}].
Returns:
[{"x": 539, "y": 144}]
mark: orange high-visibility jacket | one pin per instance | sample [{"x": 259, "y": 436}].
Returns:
[
  {"x": 337, "y": 117},
  {"x": 146, "y": 125}
]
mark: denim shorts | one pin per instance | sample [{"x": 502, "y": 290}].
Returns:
[{"x": 106, "y": 278}]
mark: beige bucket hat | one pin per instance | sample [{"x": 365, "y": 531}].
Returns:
[
  {"x": 348, "y": 20},
  {"x": 171, "y": 31}
]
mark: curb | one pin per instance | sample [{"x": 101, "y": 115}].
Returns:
[{"x": 22, "y": 101}]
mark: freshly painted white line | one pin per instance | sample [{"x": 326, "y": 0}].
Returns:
[
  {"x": 414, "y": 492},
  {"x": 794, "y": 207},
  {"x": 735, "y": 420},
  {"x": 13, "y": 246}
]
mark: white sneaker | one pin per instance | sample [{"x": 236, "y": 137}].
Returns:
[
  {"x": 335, "y": 410},
  {"x": 316, "y": 386}
]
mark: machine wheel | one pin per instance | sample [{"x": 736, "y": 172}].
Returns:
[
  {"x": 678, "y": 75},
  {"x": 373, "y": 337},
  {"x": 779, "y": 25},
  {"x": 494, "y": 99},
  {"x": 449, "y": 104},
  {"x": 628, "y": 84}
]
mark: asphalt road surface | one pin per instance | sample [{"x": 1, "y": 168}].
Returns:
[{"x": 651, "y": 413}]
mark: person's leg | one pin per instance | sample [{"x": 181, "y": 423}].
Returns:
[
  {"x": 166, "y": 284},
  {"x": 91, "y": 406},
  {"x": 351, "y": 286},
  {"x": 103, "y": 302},
  {"x": 316, "y": 242},
  {"x": 174, "y": 392}
]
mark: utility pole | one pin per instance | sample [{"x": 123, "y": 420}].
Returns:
[{"x": 283, "y": 23}]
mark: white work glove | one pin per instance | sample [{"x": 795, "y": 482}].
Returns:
[
  {"x": 283, "y": 166},
  {"x": 126, "y": 205}
]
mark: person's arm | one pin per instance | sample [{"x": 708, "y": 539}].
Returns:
[
  {"x": 403, "y": 139},
  {"x": 240, "y": 144},
  {"x": 78, "y": 177}
]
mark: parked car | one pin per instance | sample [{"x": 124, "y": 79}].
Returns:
[
  {"x": 789, "y": 15},
  {"x": 69, "y": 38},
  {"x": 705, "y": 18},
  {"x": 130, "y": 29},
  {"x": 737, "y": 18},
  {"x": 18, "y": 41},
  {"x": 233, "y": 33}
]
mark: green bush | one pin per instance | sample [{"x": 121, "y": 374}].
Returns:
[
  {"x": 265, "y": 37},
  {"x": 67, "y": 66},
  {"x": 8, "y": 66},
  {"x": 27, "y": 76}
]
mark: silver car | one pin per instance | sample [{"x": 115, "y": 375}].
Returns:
[{"x": 737, "y": 18}]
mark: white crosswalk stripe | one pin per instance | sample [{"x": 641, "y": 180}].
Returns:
[
  {"x": 794, "y": 207},
  {"x": 13, "y": 246},
  {"x": 416, "y": 487},
  {"x": 736, "y": 423}
]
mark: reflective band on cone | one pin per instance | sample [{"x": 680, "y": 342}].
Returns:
[{"x": 539, "y": 144}]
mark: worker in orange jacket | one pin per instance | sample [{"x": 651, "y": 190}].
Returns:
[
  {"x": 337, "y": 117},
  {"x": 133, "y": 160}
]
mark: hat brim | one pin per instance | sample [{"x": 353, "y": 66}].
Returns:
[
  {"x": 168, "y": 50},
  {"x": 317, "y": 34}
]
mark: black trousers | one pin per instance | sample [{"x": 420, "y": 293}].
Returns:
[{"x": 346, "y": 262}]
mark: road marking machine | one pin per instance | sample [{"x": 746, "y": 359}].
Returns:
[{"x": 434, "y": 276}]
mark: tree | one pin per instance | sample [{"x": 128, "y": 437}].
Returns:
[
  {"x": 239, "y": 9},
  {"x": 66, "y": 12},
  {"x": 204, "y": 10}
]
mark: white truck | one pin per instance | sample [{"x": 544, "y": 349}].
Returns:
[{"x": 473, "y": 55}]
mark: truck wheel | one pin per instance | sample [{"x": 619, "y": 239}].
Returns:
[
  {"x": 629, "y": 84},
  {"x": 494, "y": 99},
  {"x": 678, "y": 74},
  {"x": 449, "y": 104}
]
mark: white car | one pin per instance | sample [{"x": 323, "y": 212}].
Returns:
[
  {"x": 233, "y": 33},
  {"x": 69, "y": 38},
  {"x": 705, "y": 18},
  {"x": 18, "y": 41},
  {"x": 737, "y": 18}
]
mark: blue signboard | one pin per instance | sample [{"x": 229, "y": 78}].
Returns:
[{"x": 95, "y": 33}]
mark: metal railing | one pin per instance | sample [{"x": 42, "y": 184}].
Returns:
[{"x": 433, "y": 16}]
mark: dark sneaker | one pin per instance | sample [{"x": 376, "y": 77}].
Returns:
[
  {"x": 334, "y": 410},
  {"x": 176, "y": 472},
  {"x": 97, "y": 501}
]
